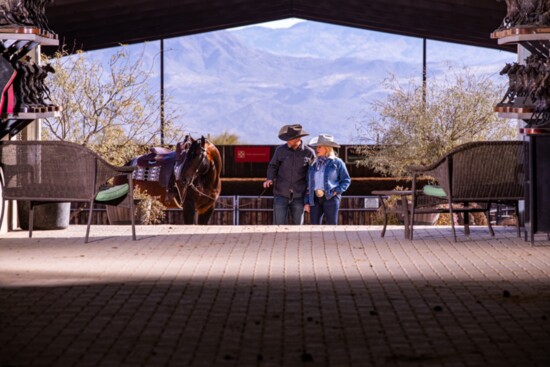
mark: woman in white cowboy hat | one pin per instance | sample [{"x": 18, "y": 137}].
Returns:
[{"x": 327, "y": 179}]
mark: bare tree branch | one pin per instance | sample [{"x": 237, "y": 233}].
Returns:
[{"x": 107, "y": 107}]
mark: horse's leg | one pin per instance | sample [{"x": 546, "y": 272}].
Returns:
[
  {"x": 189, "y": 212},
  {"x": 204, "y": 217}
]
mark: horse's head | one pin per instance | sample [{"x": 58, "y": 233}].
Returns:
[
  {"x": 196, "y": 161},
  {"x": 198, "y": 175}
]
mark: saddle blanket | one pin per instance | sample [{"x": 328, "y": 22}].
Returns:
[{"x": 147, "y": 173}]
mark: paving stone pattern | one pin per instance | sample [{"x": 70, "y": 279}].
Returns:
[{"x": 273, "y": 296}]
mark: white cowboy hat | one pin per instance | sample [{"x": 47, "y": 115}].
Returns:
[{"x": 324, "y": 140}]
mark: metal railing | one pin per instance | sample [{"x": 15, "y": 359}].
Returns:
[
  {"x": 238, "y": 205},
  {"x": 370, "y": 204}
]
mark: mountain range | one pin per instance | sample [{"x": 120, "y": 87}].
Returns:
[{"x": 251, "y": 81}]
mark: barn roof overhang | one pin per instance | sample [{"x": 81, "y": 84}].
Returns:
[{"x": 96, "y": 24}]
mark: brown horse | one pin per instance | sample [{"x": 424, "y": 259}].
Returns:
[
  {"x": 187, "y": 178},
  {"x": 198, "y": 181}
]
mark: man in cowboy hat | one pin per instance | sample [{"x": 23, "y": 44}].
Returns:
[{"x": 287, "y": 172}]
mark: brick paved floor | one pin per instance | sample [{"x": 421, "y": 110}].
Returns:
[{"x": 273, "y": 296}]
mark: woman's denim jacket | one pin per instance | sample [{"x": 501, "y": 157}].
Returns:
[{"x": 336, "y": 179}]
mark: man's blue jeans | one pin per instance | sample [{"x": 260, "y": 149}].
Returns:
[
  {"x": 327, "y": 208},
  {"x": 282, "y": 207}
]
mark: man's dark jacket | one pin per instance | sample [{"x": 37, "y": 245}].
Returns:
[{"x": 288, "y": 170}]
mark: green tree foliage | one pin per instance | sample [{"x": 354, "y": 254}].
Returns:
[
  {"x": 224, "y": 138},
  {"x": 411, "y": 128},
  {"x": 109, "y": 108}
]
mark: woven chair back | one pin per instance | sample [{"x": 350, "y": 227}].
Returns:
[{"x": 488, "y": 170}]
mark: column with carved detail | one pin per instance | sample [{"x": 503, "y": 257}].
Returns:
[{"x": 528, "y": 100}]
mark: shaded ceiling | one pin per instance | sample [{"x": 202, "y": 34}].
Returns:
[{"x": 94, "y": 24}]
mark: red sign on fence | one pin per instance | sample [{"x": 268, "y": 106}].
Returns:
[{"x": 252, "y": 154}]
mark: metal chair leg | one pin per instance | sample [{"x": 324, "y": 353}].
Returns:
[
  {"x": 385, "y": 213},
  {"x": 518, "y": 224},
  {"x": 488, "y": 216},
  {"x": 131, "y": 197},
  {"x": 452, "y": 220},
  {"x": 406, "y": 219},
  {"x": 89, "y": 220},
  {"x": 31, "y": 218}
]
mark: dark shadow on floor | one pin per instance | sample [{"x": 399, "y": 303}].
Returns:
[{"x": 278, "y": 323}]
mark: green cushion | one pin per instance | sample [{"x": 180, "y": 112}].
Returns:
[
  {"x": 113, "y": 193},
  {"x": 433, "y": 190}
]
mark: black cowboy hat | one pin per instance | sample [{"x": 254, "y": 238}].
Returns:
[{"x": 289, "y": 132}]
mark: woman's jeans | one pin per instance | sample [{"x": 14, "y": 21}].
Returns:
[
  {"x": 283, "y": 206},
  {"x": 325, "y": 208}
]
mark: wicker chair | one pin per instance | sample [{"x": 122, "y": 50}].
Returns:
[
  {"x": 479, "y": 172},
  {"x": 53, "y": 171}
]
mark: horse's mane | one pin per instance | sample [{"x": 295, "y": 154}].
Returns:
[{"x": 214, "y": 155}]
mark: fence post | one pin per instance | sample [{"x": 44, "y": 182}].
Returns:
[{"x": 236, "y": 210}]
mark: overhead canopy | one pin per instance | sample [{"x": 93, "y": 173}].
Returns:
[{"x": 95, "y": 24}]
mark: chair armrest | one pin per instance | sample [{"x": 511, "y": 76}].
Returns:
[
  {"x": 105, "y": 171},
  {"x": 438, "y": 171},
  {"x": 112, "y": 167},
  {"x": 425, "y": 169},
  {"x": 415, "y": 169},
  {"x": 124, "y": 169}
]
